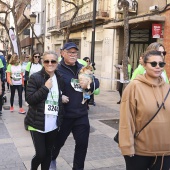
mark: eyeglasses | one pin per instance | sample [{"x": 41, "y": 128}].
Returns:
[
  {"x": 163, "y": 52},
  {"x": 71, "y": 53},
  {"x": 154, "y": 64},
  {"x": 48, "y": 61},
  {"x": 36, "y": 56}
]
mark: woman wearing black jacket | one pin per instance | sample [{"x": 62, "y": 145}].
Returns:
[{"x": 44, "y": 117}]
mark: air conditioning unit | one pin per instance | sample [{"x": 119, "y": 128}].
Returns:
[{"x": 153, "y": 8}]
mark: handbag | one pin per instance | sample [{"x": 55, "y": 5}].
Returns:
[{"x": 116, "y": 138}]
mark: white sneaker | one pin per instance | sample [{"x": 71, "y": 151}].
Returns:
[
  {"x": 26, "y": 104},
  {"x": 53, "y": 165}
]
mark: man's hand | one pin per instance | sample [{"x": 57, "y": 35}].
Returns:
[
  {"x": 65, "y": 99},
  {"x": 48, "y": 83},
  {"x": 84, "y": 83}
]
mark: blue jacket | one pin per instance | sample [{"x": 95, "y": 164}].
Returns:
[
  {"x": 4, "y": 68},
  {"x": 74, "y": 108}
]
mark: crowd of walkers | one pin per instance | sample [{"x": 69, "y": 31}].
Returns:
[{"x": 54, "y": 94}]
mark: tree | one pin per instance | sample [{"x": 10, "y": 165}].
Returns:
[
  {"x": 78, "y": 4},
  {"x": 12, "y": 7},
  {"x": 125, "y": 5}
]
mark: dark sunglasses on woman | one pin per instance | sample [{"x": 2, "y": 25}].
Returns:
[
  {"x": 37, "y": 56},
  {"x": 48, "y": 61},
  {"x": 154, "y": 64}
]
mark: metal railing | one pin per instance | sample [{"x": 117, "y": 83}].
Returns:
[
  {"x": 86, "y": 12},
  {"x": 53, "y": 23}
]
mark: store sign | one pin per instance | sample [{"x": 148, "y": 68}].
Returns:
[{"x": 156, "y": 30}]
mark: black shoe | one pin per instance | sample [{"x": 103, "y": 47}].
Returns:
[
  {"x": 119, "y": 102},
  {"x": 92, "y": 103}
]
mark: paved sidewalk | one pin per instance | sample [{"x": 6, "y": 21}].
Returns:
[{"x": 16, "y": 147}]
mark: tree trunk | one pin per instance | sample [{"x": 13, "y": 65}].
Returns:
[
  {"x": 16, "y": 31},
  {"x": 126, "y": 41}
]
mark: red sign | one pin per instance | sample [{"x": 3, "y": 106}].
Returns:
[{"x": 156, "y": 30}]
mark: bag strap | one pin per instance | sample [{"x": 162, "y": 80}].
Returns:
[{"x": 137, "y": 133}]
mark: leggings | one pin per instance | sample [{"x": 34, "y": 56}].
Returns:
[
  {"x": 19, "y": 89},
  {"x": 1, "y": 96},
  {"x": 24, "y": 88},
  {"x": 147, "y": 162},
  {"x": 43, "y": 144}
]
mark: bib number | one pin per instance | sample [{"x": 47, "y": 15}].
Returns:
[
  {"x": 51, "y": 108},
  {"x": 76, "y": 85},
  {"x": 16, "y": 76}
]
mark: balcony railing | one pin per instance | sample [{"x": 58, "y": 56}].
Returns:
[
  {"x": 53, "y": 24},
  {"x": 86, "y": 13},
  {"x": 84, "y": 18}
]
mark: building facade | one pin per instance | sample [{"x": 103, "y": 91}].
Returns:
[
  {"x": 109, "y": 37},
  {"x": 58, "y": 15},
  {"x": 142, "y": 16},
  {"x": 30, "y": 42}
]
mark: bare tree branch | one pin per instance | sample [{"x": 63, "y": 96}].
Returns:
[{"x": 77, "y": 8}]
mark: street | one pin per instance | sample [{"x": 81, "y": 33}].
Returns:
[{"x": 16, "y": 147}]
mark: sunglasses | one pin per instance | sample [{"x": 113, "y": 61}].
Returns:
[
  {"x": 163, "y": 52},
  {"x": 48, "y": 61},
  {"x": 36, "y": 56},
  {"x": 154, "y": 64}
]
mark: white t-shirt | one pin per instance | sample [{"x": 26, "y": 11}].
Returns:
[
  {"x": 51, "y": 107},
  {"x": 35, "y": 68},
  {"x": 16, "y": 75}
]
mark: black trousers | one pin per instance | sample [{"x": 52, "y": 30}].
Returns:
[
  {"x": 147, "y": 162},
  {"x": 19, "y": 89},
  {"x": 80, "y": 129},
  {"x": 43, "y": 143},
  {"x": 1, "y": 96}
]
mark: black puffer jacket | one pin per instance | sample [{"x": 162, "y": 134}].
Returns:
[{"x": 36, "y": 96}]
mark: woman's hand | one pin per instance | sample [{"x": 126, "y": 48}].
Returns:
[
  {"x": 48, "y": 83},
  {"x": 65, "y": 99}
]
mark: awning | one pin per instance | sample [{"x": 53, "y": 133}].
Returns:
[{"x": 137, "y": 22}]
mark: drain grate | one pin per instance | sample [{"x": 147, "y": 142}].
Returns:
[{"x": 114, "y": 123}]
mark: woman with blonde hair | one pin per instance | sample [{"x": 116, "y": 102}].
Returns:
[{"x": 16, "y": 81}]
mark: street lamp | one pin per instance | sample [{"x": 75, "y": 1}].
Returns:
[
  {"x": 93, "y": 31},
  {"x": 32, "y": 21},
  {"x": 6, "y": 42}
]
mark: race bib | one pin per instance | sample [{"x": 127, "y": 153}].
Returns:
[
  {"x": 51, "y": 107},
  {"x": 76, "y": 85},
  {"x": 16, "y": 76}
]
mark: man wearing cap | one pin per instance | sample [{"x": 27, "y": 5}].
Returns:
[{"x": 76, "y": 114}]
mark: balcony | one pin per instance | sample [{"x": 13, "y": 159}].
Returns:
[
  {"x": 85, "y": 14},
  {"x": 53, "y": 25}
]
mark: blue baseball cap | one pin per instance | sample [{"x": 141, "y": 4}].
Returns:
[{"x": 69, "y": 45}]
